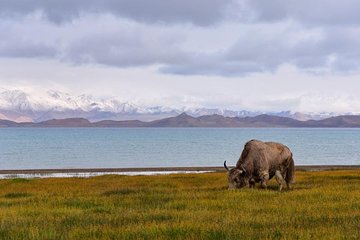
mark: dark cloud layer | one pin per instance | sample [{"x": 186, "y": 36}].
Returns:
[
  {"x": 265, "y": 34},
  {"x": 319, "y": 12},
  {"x": 124, "y": 50},
  {"x": 201, "y": 12},
  {"x": 335, "y": 49}
]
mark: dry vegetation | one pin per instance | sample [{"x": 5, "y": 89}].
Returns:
[{"x": 323, "y": 205}]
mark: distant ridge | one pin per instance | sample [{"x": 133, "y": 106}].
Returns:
[
  {"x": 20, "y": 106},
  {"x": 184, "y": 120},
  {"x": 68, "y": 122}
]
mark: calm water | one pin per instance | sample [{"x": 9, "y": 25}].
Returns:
[{"x": 26, "y": 148}]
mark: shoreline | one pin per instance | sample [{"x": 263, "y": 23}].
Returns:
[{"x": 163, "y": 169}]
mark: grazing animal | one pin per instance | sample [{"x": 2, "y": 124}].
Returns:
[{"x": 259, "y": 162}]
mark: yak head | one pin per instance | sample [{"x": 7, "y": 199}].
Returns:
[{"x": 237, "y": 177}]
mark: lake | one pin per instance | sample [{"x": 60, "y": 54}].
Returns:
[{"x": 41, "y": 148}]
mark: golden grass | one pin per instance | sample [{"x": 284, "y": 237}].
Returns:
[{"x": 323, "y": 205}]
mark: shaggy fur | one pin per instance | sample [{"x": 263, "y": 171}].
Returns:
[{"x": 259, "y": 162}]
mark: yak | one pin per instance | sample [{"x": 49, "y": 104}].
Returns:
[{"x": 259, "y": 162}]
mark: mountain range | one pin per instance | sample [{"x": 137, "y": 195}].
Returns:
[
  {"x": 20, "y": 106},
  {"x": 184, "y": 120}
]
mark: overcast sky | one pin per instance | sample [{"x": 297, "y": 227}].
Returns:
[{"x": 247, "y": 54}]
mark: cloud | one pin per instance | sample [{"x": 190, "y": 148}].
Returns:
[
  {"x": 261, "y": 48},
  {"x": 265, "y": 47},
  {"x": 125, "y": 47},
  {"x": 320, "y": 12},
  {"x": 249, "y": 37},
  {"x": 200, "y": 12},
  {"x": 329, "y": 103},
  {"x": 122, "y": 43},
  {"x": 26, "y": 50}
]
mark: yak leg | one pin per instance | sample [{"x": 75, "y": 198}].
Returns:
[
  {"x": 252, "y": 183},
  {"x": 279, "y": 179},
  {"x": 287, "y": 183},
  {"x": 264, "y": 179}
]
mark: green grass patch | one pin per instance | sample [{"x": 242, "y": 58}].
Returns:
[
  {"x": 120, "y": 192},
  {"x": 322, "y": 205},
  {"x": 17, "y": 195},
  {"x": 20, "y": 180}
]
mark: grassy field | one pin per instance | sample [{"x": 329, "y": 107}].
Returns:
[{"x": 323, "y": 205}]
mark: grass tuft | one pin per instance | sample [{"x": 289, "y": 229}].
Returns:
[
  {"x": 17, "y": 195},
  {"x": 20, "y": 180},
  {"x": 120, "y": 192}
]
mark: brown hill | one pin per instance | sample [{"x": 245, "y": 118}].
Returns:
[
  {"x": 68, "y": 122},
  {"x": 339, "y": 121},
  {"x": 182, "y": 120},
  {"x": 111, "y": 123}
]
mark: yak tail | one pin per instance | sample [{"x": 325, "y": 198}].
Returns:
[{"x": 290, "y": 172}]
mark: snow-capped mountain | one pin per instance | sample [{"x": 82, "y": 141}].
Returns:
[
  {"x": 15, "y": 100},
  {"x": 19, "y": 106}
]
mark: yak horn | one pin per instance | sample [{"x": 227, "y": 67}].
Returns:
[
  {"x": 242, "y": 168},
  {"x": 227, "y": 169}
]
